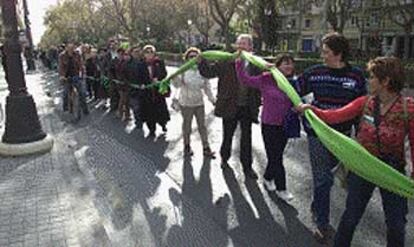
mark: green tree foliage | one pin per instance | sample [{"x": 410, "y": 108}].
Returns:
[
  {"x": 77, "y": 20},
  {"x": 94, "y": 21}
]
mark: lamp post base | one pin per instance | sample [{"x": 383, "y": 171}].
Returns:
[
  {"x": 41, "y": 146},
  {"x": 22, "y": 122}
]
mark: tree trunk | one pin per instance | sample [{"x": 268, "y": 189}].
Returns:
[
  {"x": 227, "y": 37},
  {"x": 406, "y": 45}
]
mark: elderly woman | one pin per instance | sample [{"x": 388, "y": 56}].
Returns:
[
  {"x": 274, "y": 119},
  {"x": 157, "y": 71},
  {"x": 191, "y": 86},
  {"x": 386, "y": 118}
]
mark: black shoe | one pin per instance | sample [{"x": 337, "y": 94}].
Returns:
[
  {"x": 152, "y": 134},
  {"x": 187, "y": 151},
  {"x": 250, "y": 174},
  {"x": 208, "y": 153},
  {"x": 324, "y": 234},
  {"x": 224, "y": 165},
  {"x": 164, "y": 128},
  {"x": 85, "y": 112}
]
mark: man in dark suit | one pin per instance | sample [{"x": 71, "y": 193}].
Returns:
[{"x": 236, "y": 104}]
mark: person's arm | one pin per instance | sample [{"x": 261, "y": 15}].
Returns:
[
  {"x": 345, "y": 113},
  {"x": 303, "y": 85},
  {"x": 162, "y": 71},
  {"x": 208, "y": 92},
  {"x": 61, "y": 67},
  {"x": 208, "y": 70},
  {"x": 251, "y": 81},
  {"x": 177, "y": 81},
  {"x": 411, "y": 133}
]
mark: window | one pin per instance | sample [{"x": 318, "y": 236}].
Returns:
[
  {"x": 293, "y": 22},
  {"x": 307, "y": 23},
  {"x": 307, "y": 45}
]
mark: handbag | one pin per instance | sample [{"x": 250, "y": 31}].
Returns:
[{"x": 291, "y": 124}]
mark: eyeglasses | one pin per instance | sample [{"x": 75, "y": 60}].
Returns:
[{"x": 192, "y": 56}]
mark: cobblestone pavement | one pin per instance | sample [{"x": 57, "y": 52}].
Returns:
[{"x": 108, "y": 184}]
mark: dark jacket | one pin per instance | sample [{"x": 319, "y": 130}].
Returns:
[
  {"x": 137, "y": 74},
  {"x": 64, "y": 62},
  {"x": 228, "y": 88},
  {"x": 91, "y": 67},
  {"x": 159, "y": 111}
]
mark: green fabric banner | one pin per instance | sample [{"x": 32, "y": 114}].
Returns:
[{"x": 355, "y": 157}]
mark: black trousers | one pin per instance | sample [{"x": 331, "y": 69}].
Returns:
[
  {"x": 275, "y": 141},
  {"x": 229, "y": 127}
]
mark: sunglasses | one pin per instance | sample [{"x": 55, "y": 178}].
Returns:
[{"x": 192, "y": 56}]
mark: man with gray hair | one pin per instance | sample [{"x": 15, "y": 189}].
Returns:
[{"x": 236, "y": 104}]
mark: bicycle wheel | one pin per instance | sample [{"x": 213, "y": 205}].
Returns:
[
  {"x": 1, "y": 115},
  {"x": 76, "y": 105}
]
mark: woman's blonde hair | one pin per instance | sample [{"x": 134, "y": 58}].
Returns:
[
  {"x": 189, "y": 50},
  {"x": 149, "y": 47}
]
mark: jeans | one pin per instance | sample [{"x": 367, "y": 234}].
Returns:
[
  {"x": 359, "y": 194},
  {"x": 322, "y": 161},
  {"x": 77, "y": 83},
  {"x": 135, "y": 104},
  {"x": 229, "y": 127},
  {"x": 275, "y": 141}
]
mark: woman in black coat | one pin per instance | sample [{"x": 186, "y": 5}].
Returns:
[{"x": 159, "y": 110}]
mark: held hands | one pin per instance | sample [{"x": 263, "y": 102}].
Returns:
[
  {"x": 62, "y": 79},
  {"x": 301, "y": 108},
  {"x": 238, "y": 55}
]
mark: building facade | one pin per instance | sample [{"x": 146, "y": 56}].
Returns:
[{"x": 369, "y": 31}]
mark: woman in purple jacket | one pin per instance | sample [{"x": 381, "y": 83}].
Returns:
[{"x": 276, "y": 106}]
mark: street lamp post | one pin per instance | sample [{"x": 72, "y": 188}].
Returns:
[
  {"x": 29, "y": 54},
  {"x": 189, "y": 22},
  {"x": 288, "y": 27},
  {"x": 23, "y": 132},
  {"x": 148, "y": 31}
]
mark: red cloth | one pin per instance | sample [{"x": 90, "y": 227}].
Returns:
[{"x": 391, "y": 129}]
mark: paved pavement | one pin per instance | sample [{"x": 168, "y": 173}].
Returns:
[{"x": 108, "y": 184}]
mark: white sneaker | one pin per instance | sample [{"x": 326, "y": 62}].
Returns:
[
  {"x": 284, "y": 195},
  {"x": 269, "y": 185}
]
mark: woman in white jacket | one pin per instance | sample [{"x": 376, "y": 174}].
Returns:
[{"x": 191, "y": 86}]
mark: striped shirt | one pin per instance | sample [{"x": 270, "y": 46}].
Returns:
[{"x": 332, "y": 88}]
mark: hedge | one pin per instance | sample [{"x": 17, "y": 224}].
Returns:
[{"x": 300, "y": 64}]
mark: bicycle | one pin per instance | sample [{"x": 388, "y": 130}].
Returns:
[
  {"x": 73, "y": 103},
  {"x": 1, "y": 115}
]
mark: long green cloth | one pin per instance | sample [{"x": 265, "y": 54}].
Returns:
[{"x": 355, "y": 157}]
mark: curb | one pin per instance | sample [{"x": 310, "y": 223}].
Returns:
[{"x": 42, "y": 146}]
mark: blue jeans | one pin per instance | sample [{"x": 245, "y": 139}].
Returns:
[
  {"x": 359, "y": 193},
  {"x": 322, "y": 161},
  {"x": 76, "y": 82}
]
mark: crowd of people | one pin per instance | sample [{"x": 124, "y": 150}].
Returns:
[{"x": 381, "y": 120}]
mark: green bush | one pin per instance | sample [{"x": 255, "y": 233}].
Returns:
[{"x": 301, "y": 64}]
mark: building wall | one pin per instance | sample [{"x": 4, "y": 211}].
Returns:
[{"x": 365, "y": 34}]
